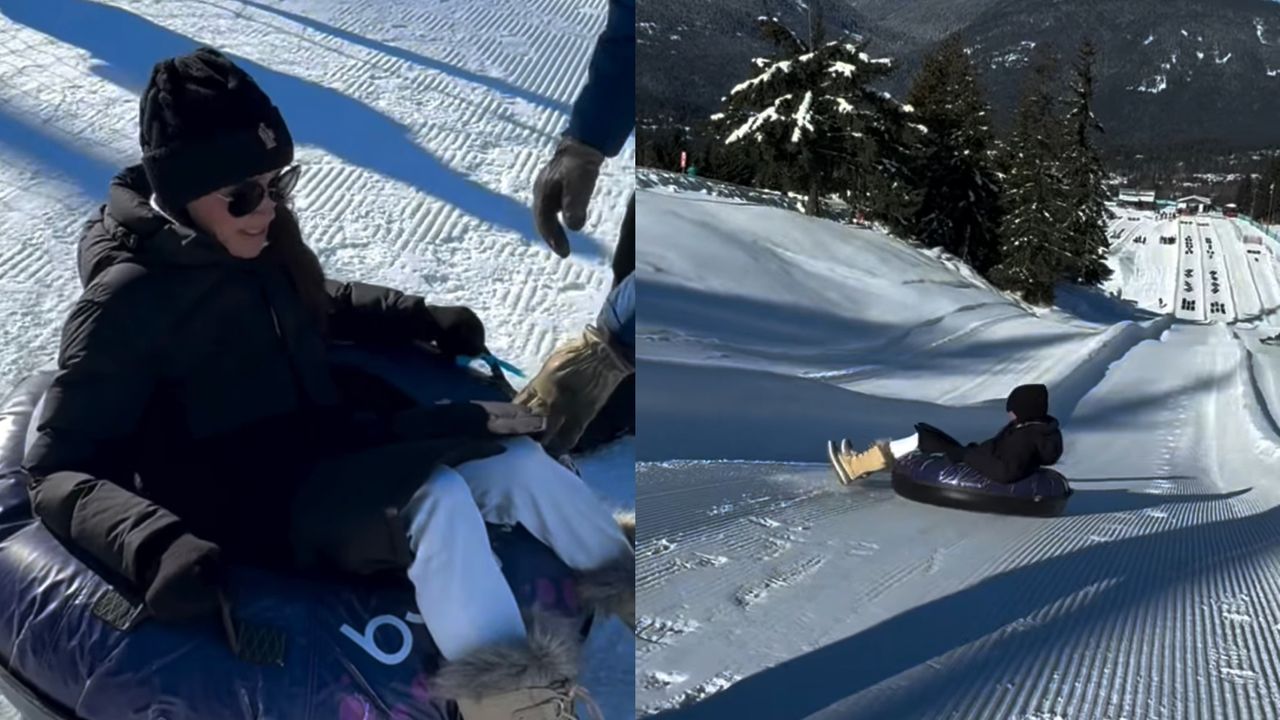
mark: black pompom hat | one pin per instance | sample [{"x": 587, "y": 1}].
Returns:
[
  {"x": 1028, "y": 402},
  {"x": 204, "y": 125}
]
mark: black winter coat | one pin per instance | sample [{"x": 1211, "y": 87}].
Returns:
[
  {"x": 194, "y": 394},
  {"x": 1019, "y": 449}
]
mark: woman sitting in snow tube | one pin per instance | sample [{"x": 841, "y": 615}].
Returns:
[
  {"x": 311, "y": 646},
  {"x": 1002, "y": 474},
  {"x": 194, "y": 422}
]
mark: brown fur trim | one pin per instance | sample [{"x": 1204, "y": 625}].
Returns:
[
  {"x": 611, "y": 590},
  {"x": 549, "y": 657},
  {"x": 626, "y": 520}
]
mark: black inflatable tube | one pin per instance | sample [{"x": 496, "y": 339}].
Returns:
[
  {"x": 29, "y": 703},
  {"x": 978, "y": 502},
  {"x": 26, "y": 694},
  {"x": 15, "y": 417}
]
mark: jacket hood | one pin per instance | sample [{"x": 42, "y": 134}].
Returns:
[
  {"x": 1046, "y": 435},
  {"x": 131, "y": 229}
]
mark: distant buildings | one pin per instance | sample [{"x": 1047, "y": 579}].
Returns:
[
  {"x": 1140, "y": 199},
  {"x": 1194, "y": 205}
]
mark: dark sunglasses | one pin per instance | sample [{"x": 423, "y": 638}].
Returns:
[{"x": 244, "y": 198}]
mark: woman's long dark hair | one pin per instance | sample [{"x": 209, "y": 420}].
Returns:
[{"x": 302, "y": 264}]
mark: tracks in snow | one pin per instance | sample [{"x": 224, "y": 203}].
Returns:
[{"x": 1155, "y": 597}]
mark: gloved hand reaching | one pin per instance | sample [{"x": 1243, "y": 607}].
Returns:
[
  {"x": 564, "y": 186},
  {"x": 458, "y": 330}
]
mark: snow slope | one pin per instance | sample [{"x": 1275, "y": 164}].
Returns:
[
  {"x": 1182, "y": 275},
  {"x": 420, "y": 126},
  {"x": 768, "y": 590}
]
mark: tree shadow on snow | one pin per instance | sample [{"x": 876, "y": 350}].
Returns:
[
  {"x": 57, "y": 154},
  {"x": 1102, "y": 502},
  {"x": 1031, "y": 621},
  {"x": 756, "y": 325},
  {"x": 1094, "y": 305},
  {"x": 1142, "y": 478},
  {"x": 130, "y": 46},
  {"x": 776, "y": 331},
  {"x": 1107, "y": 412}
]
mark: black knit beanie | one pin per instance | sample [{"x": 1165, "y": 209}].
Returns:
[
  {"x": 204, "y": 125},
  {"x": 1028, "y": 402}
]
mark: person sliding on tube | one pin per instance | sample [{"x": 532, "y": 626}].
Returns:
[{"x": 1030, "y": 440}]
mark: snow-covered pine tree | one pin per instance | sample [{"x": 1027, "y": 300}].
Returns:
[
  {"x": 1087, "y": 228},
  {"x": 957, "y": 183},
  {"x": 810, "y": 115},
  {"x": 1033, "y": 245}
]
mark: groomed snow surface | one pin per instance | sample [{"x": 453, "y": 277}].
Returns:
[
  {"x": 767, "y": 590},
  {"x": 420, "y": 126}
]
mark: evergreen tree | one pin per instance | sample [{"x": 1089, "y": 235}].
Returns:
[
  {"x": 659, "y": 147},
  {"x": 1033, "y": 246},
  {"x": 809, "y": 117},
  {"x": 1086, "y": 230},
  {"x": 888, "y": 175},
  {"x": 1244, "y": 195},
  {"x": 1267, "y": 203},
  {"x": 958, "y": 185}
]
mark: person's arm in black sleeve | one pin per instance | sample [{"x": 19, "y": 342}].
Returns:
[
  {"x": 365, "y": 313},
  {"x": 602, "y": 118},
  {"x": 1015, "y": 462},
  {"x": 76, "y": 464}
]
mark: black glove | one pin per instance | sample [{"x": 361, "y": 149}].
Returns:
[
  {"x": 477, "y": 418},
  {"x": 187, "y": 581},
  {"x": 458, "y": 330},
  {"x": 565, "y": 186}
]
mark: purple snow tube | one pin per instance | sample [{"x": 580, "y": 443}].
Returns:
[
  {"x": 310, "y": 649},
  {"x": 936, "y": 480}
]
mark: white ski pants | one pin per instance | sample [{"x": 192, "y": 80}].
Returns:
[
  {"x": 902, "y": 446},
  {"x": 462, "y": 595}
]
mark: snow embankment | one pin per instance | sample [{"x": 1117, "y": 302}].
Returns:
[{"x": 764, "y": 331}]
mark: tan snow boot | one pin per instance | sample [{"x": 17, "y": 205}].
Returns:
[
  {"x": 535, "y": 681},
  {"x": 572, "y": 386},
  {"x": 873, "y": 459}
]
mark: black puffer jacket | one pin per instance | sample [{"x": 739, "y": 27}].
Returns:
[
  {"x": 194, "y": 393},
  {"x": 1019, "y": 449}
]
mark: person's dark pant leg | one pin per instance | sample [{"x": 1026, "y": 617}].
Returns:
[
  {"x": 618, "y": 416},
  {"x": 932, "y": 440},
  {"x": 624, "y": 256}
]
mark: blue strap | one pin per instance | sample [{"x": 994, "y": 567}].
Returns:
[{"x": 492, "y": 361}]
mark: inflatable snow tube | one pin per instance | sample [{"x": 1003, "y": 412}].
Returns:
[
  {"x": 936, "y": 480},
  {"x": 309, "y": 649}
]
